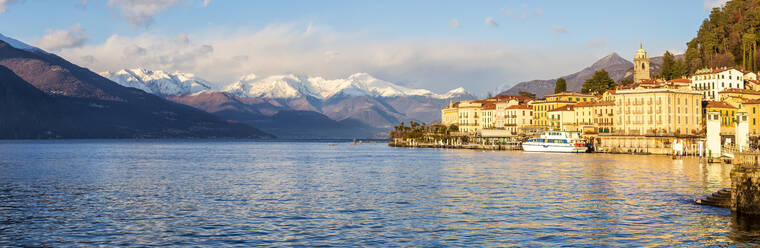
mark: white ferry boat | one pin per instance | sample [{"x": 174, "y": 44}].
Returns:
[{"x": 556, "y": 141}]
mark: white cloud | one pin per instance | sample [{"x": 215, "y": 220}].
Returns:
[
  {"x": 141, "y": 12},
  {"x": 222, "y": 56},
  {"x": 559, "y": 29},
  {"x": 56, "y": 40},
  {"x": 710, "y": 4},
  {"x": 454, "y": 23},
  {"x": 4, "y": 4},
  {"x": 205, "y": 3},
  {"x": 491, "y": 22}
]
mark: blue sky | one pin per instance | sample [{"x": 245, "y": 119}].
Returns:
[{"x": 438, "y": 45}]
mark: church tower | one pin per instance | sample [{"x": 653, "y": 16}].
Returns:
[{"x": 640, "y": 65}]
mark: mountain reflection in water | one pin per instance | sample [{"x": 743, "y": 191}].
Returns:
[{"x": 221, "y": 193}]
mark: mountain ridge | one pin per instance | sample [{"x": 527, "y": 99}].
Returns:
[
  {"x": 618, "y": 68},
  {"x": 86, "y": 105}
]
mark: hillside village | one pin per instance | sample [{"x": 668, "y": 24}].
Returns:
[{"x": 646, "y": 116}]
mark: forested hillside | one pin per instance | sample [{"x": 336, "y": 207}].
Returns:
[{"x": 729, "y": 37}]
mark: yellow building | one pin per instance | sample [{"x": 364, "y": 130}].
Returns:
[
  {"x": 604, "y": 116},
  {"x": 450, "y": 114},
  {"x": 726, "y": 115},
  {"x": 584, "y": 116},
  {"x": 562, "y": 118},
  {"x": 736, "y": 97},
  {"x": 541, "y": 108},
  {"x": 518, "y": 117},
  {"x": 468, "y": 116},
  {"x": 661, "y": 111},
  {"x": 500, "y": 117},
  {"x": 474, "y": 115},
  {"x": 752, "y": 108}
]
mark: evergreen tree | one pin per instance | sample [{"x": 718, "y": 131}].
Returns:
[
  {"x": 668, "y": 66},
  {"x": 560, "y": 86},
  {"x": 598, "y": 83},
  {"x": 680, "y": 69},
  {"x": 728, "y": 37}
]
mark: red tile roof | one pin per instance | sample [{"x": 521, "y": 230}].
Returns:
[
  {"x": 753, "y": 101},
  {"x": 519, "y": 107},
  {"x": 679, "y": 80},
  {"x": 717, "y": 104},
  {"x": 584, "y": 104}
]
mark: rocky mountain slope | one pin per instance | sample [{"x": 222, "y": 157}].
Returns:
[
  {"x": 74, "y": 102},
  {"x": 277, "y": 118},
  {"x": 358, "y": 106},
  {"x": 615, "y": 65},
  {"x": 618, "y": 68}
]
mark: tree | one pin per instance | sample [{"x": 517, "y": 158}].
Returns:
[
  {"x": 728, "y": 37},
  {"x": 598, "y": 83},
  {"x": 625, "y": 82},
  {"x": 680, "y": 69},
  {"x": 453, "y": 128},
  {"x": 668, "y": 65},
  {"x": 560, "y": 86},
  {"x": 527, "y": 94}
]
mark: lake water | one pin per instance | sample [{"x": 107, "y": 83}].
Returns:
[{"x": 227, "y": 193}]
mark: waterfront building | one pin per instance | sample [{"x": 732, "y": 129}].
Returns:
[
  {"x": 752, "y": 108},
  {"x": 487, "y": 115},
  {"x": 474, "y": 115},
  {"x": 450, "y": 114},
  {"x": 640, "y": 65},
  {"x": 604, "y": 116},
  {"x": 468, "y": 116},
  {"x": 710, "y": 82},
  {"x": 659, "y": 111},
  {"x": 518, "y": 117},
  {"x": 584, "y": 117},
  {"x": 541, "y": 108},
  {"x": 500, "y": 116},
  {"x": 726, "y": 112},
  {"x": 562, "y": 118}
]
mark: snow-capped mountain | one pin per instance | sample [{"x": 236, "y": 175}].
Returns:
[
  {"x": 359, "y": 84},
  {"x": 159, "y": 82},
  {"x": 19, "y": 45}
]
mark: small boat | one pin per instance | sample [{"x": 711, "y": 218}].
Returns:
[{"x": 556, "y": 141}]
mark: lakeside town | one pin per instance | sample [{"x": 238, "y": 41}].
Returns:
[{"x": 705, "y": 113}]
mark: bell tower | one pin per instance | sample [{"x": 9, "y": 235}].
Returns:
[{"x": 640, "y": 65}]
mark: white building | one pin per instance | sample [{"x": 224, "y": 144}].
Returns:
[{"x": 710, "y": 82}]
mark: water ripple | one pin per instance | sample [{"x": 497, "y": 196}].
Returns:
[{"x": 233, "y": 193}]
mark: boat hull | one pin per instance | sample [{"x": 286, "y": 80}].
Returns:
[{"x": 549, "y": 147}]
